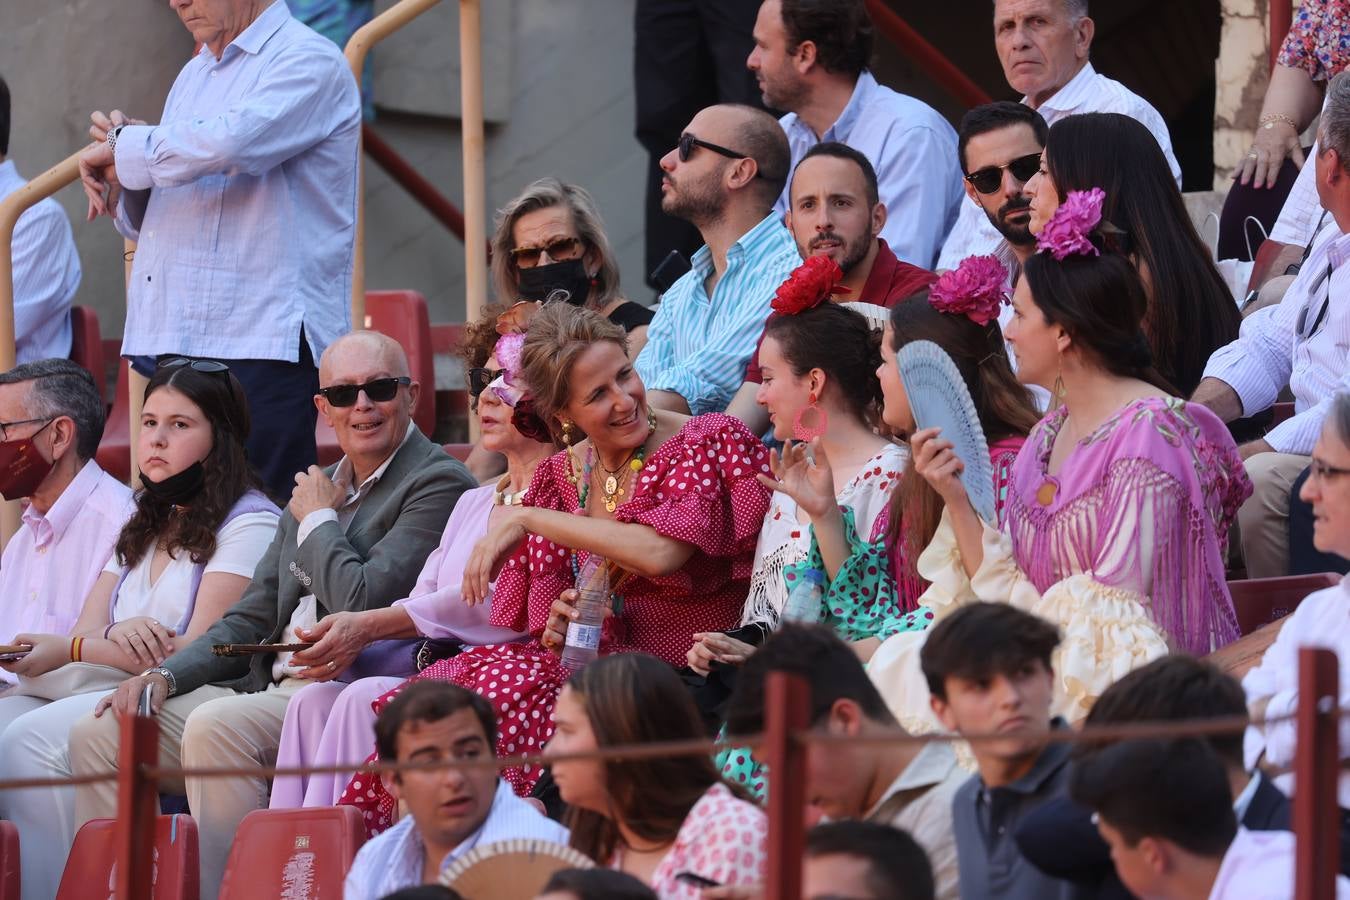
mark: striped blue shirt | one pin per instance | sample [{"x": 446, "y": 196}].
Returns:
[
  {"x": 46, "y": 274},
  {"x": 697, "y": 346},
  {"x": 243, "y": 200}
]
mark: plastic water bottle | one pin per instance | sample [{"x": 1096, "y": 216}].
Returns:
[
  {"x": 803, "y": 603},
  {"x": 583, "y": 632}
]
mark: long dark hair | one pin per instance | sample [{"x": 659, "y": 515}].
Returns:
[
  {"x": 228, "y": 475},
  {"x": 1005, "y": 407},
  {"x": 1191, "y": 311},
  {"x": 1100, "y": 302},
  {"x": 840, "y": 343},
  {"x": 633, "y": 698}
]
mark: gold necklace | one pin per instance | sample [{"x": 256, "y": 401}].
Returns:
[
  {"x": 613, "y": 485},
  {"x": 503, "y": 497}
]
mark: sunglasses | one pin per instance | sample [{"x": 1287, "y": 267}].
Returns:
[
  {"x": 516, "y": 320},
  {"x": 480, "y": 378},
  {"x": 380, "y": 390},
  {"x": 688, "y": 142},
  {"x": 990, "y": 178},
  {"x": 206, "y": 366},
  {"x": 557, "y": 250}
]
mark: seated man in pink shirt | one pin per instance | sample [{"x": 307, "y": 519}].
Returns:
[{"x": 51, "y": 420}]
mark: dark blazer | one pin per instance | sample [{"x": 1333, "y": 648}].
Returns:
[{"x": 370, "y": 565}]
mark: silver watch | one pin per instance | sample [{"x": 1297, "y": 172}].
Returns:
[
  {"x": 166, "y": 675},
  {"x": 111, "y": 139}
]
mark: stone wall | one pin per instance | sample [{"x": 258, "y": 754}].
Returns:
[{"x": 1242, "y": 74}]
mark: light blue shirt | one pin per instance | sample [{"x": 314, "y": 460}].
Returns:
[
  {"x": 697, "y": 346},
  {"x": 46, "y": 274},
  {"x": 913, "y": 149},
  {"x": 243, "y": 200},
  {"x": 393, "y": 860}
]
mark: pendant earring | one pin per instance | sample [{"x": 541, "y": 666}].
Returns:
[
  {"x": 567, "y": 435},
  {"x": 651, "y": 421},
  {"x": 1058, "y": 392},
  {"x": 573, "y": 466},
  {"x": 810, "y": 421}
]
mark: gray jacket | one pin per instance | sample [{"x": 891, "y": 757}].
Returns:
[{"x": 374, "y": 562}]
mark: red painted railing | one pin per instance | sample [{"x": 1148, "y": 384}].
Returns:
[{"x": 929, "y": 58}]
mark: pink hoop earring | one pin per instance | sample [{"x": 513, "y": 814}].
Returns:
[{"x": 803, "y": 427}]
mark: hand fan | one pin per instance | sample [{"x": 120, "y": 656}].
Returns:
[
  {"x": 939, "y": 398},
  {"x": 511, "y": 870}
]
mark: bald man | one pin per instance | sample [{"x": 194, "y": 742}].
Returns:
[
  {"x": 353, "y": 537},
  {"x": 723, "y": 178}
]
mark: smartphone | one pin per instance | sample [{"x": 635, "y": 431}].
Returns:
[
  {"x": 697, "y": 881},
  {"x": 14, "y": 655}
]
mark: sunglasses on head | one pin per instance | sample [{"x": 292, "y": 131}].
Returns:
[
  {"x": 380, "y": 390},
  {"x": 206, "y": 366},
  {"x": 557, "y": 250},
  {"x": 990, "y": 178},
  {"x": 516, "y": 320},
  {"x": 480, "y": 377},
  {"x": 688, "y": 142}
]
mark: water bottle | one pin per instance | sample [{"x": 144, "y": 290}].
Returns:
[
  {"x": 583, "y": 632},
  {"x": 803, "y": 603}
]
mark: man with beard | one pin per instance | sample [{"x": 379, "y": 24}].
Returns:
[
  {"x": 1000, "y": 148},
  {"x": 835, "y": 211},
  {"x": 723, "y": 177}
]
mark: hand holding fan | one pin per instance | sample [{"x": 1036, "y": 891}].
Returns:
[{"x": 511, "y": 870}]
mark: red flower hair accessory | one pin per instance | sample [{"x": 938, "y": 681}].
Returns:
[
  {"x": 809, "y": 285},
  {"x": 1069, "y": 230},
  {"x": 974, "y": 289}
]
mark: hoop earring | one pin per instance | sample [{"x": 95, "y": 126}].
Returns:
[{"x": 803, "y": 429}]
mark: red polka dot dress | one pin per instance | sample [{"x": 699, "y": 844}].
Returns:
[{"x": 698, "y": 487}]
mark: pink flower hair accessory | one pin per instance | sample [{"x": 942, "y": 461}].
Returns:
[
  {"x": 809, "y": 285},
  {"x": 1068, "y": 233},
  {"x": 974, "y": 289}
]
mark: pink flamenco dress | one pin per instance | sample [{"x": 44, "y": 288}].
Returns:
[
  {"x": 1122, "y": 550},
  {"x": 699, "y": 487}
]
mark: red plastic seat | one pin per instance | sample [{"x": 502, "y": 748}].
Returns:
[
  {"x": 90, "y": 867},
  {"x": 86, "y": 343},
  {"x": 292, "y": 853},
  {"x": 1281, "y": 412},
  {"x": 1259, "y": 601},
  {"x": 114, "y": 451},
  {"x": 402, "y": 315},
  {"x": 9, "y": 861},
  {"x": 459, "y": 451}
]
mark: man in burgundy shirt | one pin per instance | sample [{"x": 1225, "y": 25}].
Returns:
[{"x": 835, "y": 212}]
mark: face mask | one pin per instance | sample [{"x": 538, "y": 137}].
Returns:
[
  {"x": 22, "y": 467},
  {"x": 568, "y": 275},
  {"x": 177, "y": 489}
]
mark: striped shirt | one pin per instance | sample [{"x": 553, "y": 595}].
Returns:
[
  {"x": 46, "y": 274},
  {"x": 1300, "y": 341},
  {"x": 243, "y": 200},
  {"x": 697, "y": 346},
  {"x": 393, "y": 860}
]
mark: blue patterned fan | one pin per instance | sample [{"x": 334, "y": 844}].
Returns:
[{"x": 939, "y": 398}]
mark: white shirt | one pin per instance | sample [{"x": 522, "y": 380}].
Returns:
[
  {"x": 1321, "y": 620},
  {"x": 1272, "y": 350},
  {"x": 1086, "y": 92},
  {"x": 46, "y": 274},
  {"x": 393, "y": 860},
  {"x": 913, "y": 150},
  {"x": 239, "y": 546},
  {"x": 1302, "y": 209},
  {"x": 1259, "y": 865},
  {"x": 919, "y": 802},
  {"x": 307, "y": 613}
]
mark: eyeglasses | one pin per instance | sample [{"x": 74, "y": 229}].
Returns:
[
  {"x": 1320, "y": 470},
  {"x": 688, "y": 142},
  {"x": 206, "y": 366},
  {"x": 560, "y": 249},
  {"x": 480, "y": 378},
  {"x": 990, "y": 178},
  {"x": 5, "y": 426},
  {"x": 380, "y": 390},
  {"x": 516, "y": 320}
]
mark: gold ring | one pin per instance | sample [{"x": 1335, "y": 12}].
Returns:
[
  {"x": 332, "y": 664},
  {"x": 1252, "y": 155}
]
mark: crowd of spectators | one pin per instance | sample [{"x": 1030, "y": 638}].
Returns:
[{"x": 669, "y": 507}]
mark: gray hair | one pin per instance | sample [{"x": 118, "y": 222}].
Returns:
[
  {"x": 1339, "y": 419},
  {"x": 1077, "y": 9},
  {"x": 547, "y": 193},
  {"x": 1334, "y": 133},
  {"x": 63, "y": 388}
]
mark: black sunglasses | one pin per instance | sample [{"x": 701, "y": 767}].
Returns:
[
  {"x": 480, "y": 378},
  {"x": 381, "y": 390},
  {"x": 557, "y": 250},
  {"x": 688, "y": 142},
  {"x": 990, "y": 178},
  {"x": 206, "y": 366}
]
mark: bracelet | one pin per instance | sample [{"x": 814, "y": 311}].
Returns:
[
  {"x": 1268, "y": 121},
  {"x": 76, "y": 649}
]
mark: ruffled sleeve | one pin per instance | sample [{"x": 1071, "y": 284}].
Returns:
[
  {"x": 538, "y": 570},
  {"x": 700, "y": 488},
  {"x": 862, "y": 600}
]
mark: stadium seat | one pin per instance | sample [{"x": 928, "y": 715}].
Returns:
[
  {"x": 1262, "y": 263},
  {"x": 1258, "y": 601},
  {"x": 90, "y": 867},
  {"x": 458, "y": 451},
  {"x": 1281, "y": 412},
  {"x": 86, "y": 343},
  {"x": 293, "y": 853},
  {"x": 402, "y": 315},
  {"x": 9, "y": 861},
  {"x": 114, "y": 451}
]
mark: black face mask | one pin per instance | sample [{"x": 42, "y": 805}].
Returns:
[
  {"x": 178, "y": 489},
  {"x": 568, "y": 275}
]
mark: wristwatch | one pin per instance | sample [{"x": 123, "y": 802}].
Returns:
[
  {"x": 111, "y": 139},
  {"x": 166, "y": 675}
]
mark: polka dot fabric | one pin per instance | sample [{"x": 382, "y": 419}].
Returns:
[{"x": 723, "y": 838}]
